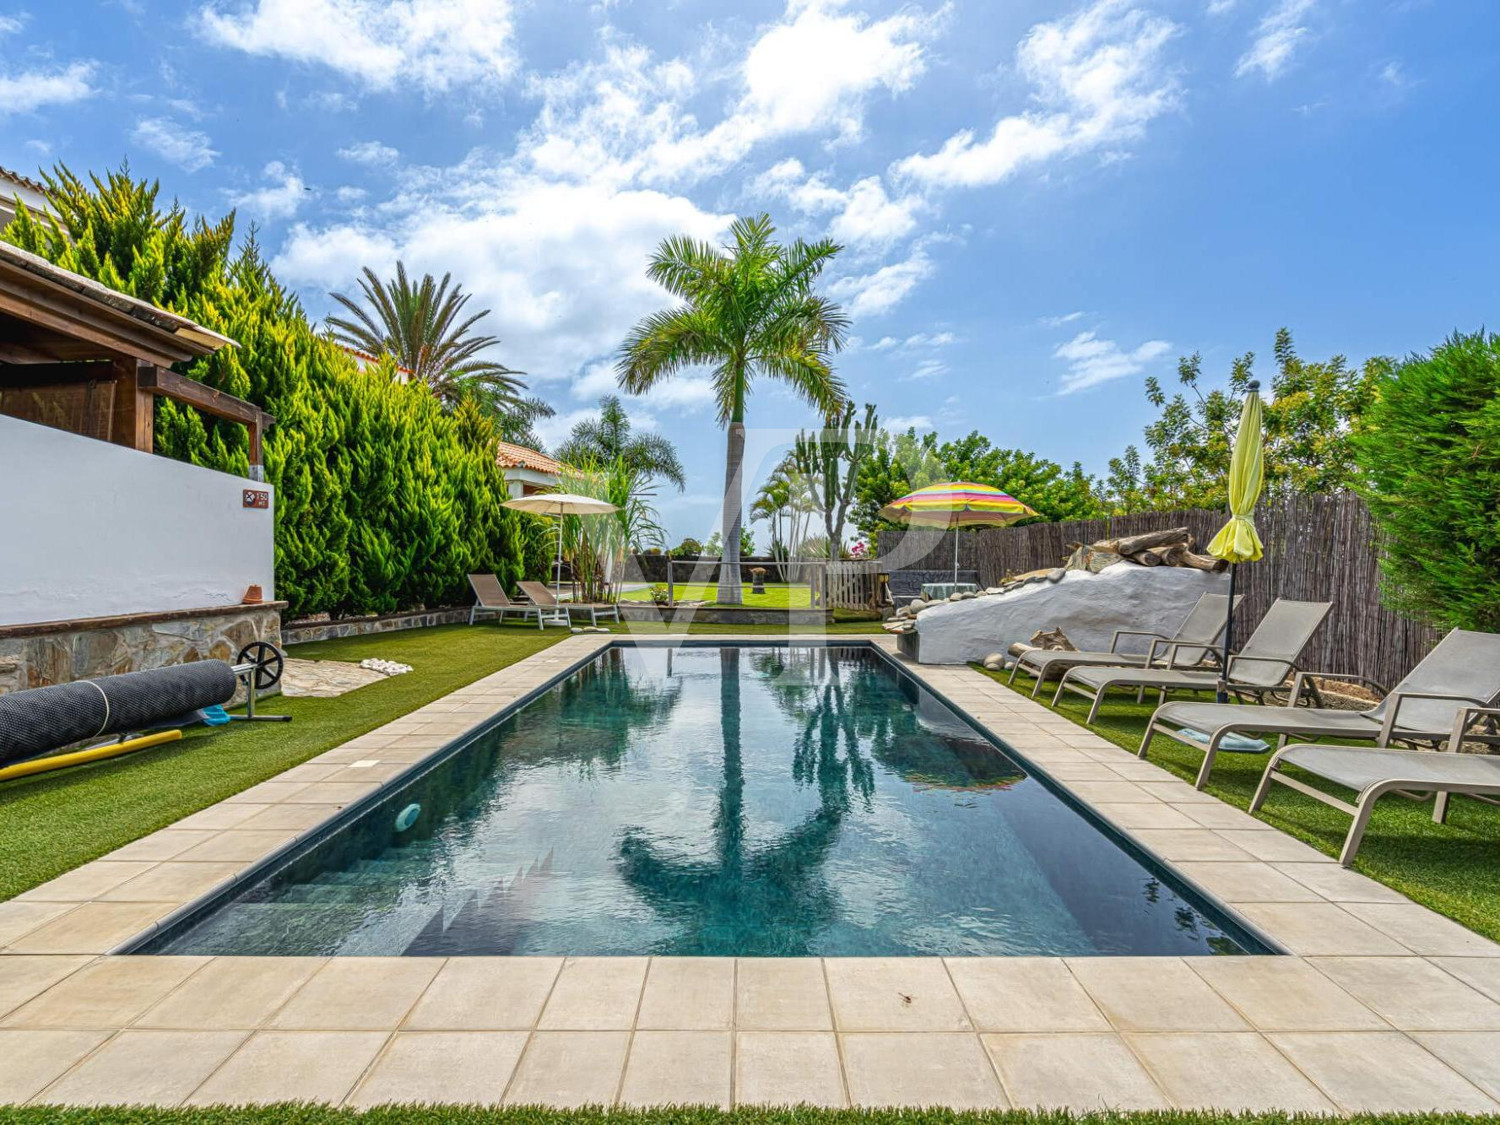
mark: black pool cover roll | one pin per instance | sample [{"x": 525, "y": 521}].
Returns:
[{"x": 35, "y": 721}]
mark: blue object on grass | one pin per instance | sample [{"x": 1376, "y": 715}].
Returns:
[
  {"x": 1230, "y": 743},
  {"x": 214, "y": 715}
]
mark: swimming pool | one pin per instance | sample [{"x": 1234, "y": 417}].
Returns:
[{"x": 749, "y": 800}]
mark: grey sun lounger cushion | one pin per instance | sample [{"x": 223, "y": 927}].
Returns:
[
  {"x": 1189, "y": 645},
  {"x": 1374, "y": 773},
  {"x": 1462, "y": 671},
  {"x": 1269, "y": 656},
  {"x": 490, "y": 597}
]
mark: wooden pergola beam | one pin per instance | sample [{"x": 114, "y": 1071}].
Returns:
[{"x": 162, "y": 381}]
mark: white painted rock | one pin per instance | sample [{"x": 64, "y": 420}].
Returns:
[
  {"x": 995, "y": 661},
  {"x": 1087, "y": 607}
]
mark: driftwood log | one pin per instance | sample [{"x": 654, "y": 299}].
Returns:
[{"x": 1134, "y": 544}]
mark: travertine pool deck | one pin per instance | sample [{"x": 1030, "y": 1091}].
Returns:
[{"x": 1380, "y": 1004}]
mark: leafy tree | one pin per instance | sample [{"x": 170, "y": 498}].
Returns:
[
  {"x": 1310, "y": 411},
  {"x": 785, "y": 502},
  {"x": 609, "y": 437},
  {"x": 901, "y": 463},
  {"x": 829, "y": 461},
  {"x": 714, "y": 548},
  {"x": 1429, "y": 443},
  {"x": 687, "y": 549},
  {"x": 422, "y": 327},
  {"x": 748, "y": 310}
]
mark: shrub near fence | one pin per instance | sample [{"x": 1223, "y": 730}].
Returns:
[{"x": 1318, "y": 548}]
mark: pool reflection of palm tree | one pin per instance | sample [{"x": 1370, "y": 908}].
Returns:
[{"x": 748, "y": 899}]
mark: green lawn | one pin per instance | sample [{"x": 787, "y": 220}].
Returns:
[
  {"x": 777, "y": 595},
  {"x": 302, "y": 1114},
  {"x": 55, "y": 822},
  {"x": 1453, "y": 868}
]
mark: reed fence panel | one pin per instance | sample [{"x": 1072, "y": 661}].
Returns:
[{"x": 1318, "y": 548}]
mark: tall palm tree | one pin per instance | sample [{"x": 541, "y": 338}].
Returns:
[
  {"x": 423, "y": 328},
  {"x": 609, "y": 437},
  {"x": 748, "y": 309}
]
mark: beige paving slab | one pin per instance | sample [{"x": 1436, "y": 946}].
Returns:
[
  {"x": 332, "y": 792},
  {"x": 1033, "y": 994},
  {"x": 17, "y": 919},
  {"x": 1473, "y": 1054},
  {"x": 595, "y": 993},
  {"x": 920, "y": 1069},
  {"x": 1285, "y": 994},
  {"x": 85, "y": 883},
  {"x": 1482, "y": 973},
  {"x": 1379, "y": 1071},
  {"x": 158, "y": 1068},
  {"x": 1200, "y": 844},
  {"x": 286, "y": 1066},
  {"x": 468, "y": 1067},
  {"x": 893, "y": 994},
  {"x": 1339, "y": 884},
  {"x": 217, "y": 818},
  {"x": 232, "y": 993},
  {"x": 1111, "y": 792},
  {"x": 1320, "y": 928},
  {"x": 1217, "y": 815},
  {"x": 24, "y": 977},
  {"x": 267, "y": 793},
  {"x": 172, "y": 881},
  {"x": 678, "y": 1068},
  {"x": 1423, "y": 931},
  {"x": 1157, "y": 815},
  {"x": 166, "y": 844},
  {"x": 235, "y": 847},
  {"x": 31, "y": 1060},
  {"x": 1266, "y": 843},
  {"x": 1226, "y": 1070},
  {"x": 1412, "y": 994},
  {"x": 781, "y": 994},
  {"x": 107, "y": 993},
  {"x": 291, "y": 818},
  {"x": 485, "y": 994},
  {"x": 688, "y": 993},
  {"x": 1083, "y": 1073},
  {"x": 1153, "y": 994},
  {"x": 570, "y": 1068},
  {"x": 358, "y": 993},
  {"x": 1250, "y": 881},
  {"x": 788, "y": 1068}
]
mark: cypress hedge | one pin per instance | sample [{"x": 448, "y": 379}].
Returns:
[{"x": 384, "y": 501}]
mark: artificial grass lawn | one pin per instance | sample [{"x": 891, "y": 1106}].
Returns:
[
  {"x": 777, "y": 595},
  {"x": 1452, "y": 868},
  {"x": 55, "y": 822},
  {"x": 300, "y": 1114}
]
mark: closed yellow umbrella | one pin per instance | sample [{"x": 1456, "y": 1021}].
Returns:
[{"x": 1238, "y": 541}]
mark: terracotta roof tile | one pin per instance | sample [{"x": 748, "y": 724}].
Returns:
[{"x": 508, "y": 455}]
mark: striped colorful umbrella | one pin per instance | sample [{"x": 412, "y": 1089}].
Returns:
[{"x": 956, "y": 504}]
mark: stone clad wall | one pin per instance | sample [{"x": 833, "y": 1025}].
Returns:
[
  {"x": 63, "y": 651},
  {"x": 301, "y": 632}
]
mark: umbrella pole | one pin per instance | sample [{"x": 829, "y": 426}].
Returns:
[
  {"x": 557, "y": 569},
  {"x": 955, "y": 554},
  {"x": 1222, "y": 695}
]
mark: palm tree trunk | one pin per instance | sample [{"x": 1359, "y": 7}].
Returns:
[{"x": 731, "y": 592}]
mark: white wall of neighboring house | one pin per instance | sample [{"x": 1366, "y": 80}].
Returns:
[
  {"x": 91, "y": 529},
  {"x": 10, "y": 190}
]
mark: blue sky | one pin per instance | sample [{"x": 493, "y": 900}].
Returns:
[{"x": 1041, "y": 202}]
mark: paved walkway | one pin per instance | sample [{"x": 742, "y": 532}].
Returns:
[{"x": 1381, "y": 1005}]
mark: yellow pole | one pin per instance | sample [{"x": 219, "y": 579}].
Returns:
[{"x": 81, "y": 757}]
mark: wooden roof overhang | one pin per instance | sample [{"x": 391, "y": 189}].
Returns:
[{"x": 58, "y": 328}]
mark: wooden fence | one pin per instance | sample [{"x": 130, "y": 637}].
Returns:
[{"x": 1318, "y": 548}]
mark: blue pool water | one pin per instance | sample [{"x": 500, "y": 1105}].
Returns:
[{"x": 738, "y": 800}]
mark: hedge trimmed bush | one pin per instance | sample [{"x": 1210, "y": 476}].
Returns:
[
  {"x": 384, "y": 502},
  {"x": 1430, "y": 447}
]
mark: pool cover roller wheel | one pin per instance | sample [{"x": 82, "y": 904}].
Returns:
[{"x": 40, "y": 720}]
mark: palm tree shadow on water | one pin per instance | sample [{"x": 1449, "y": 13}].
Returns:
[{"x": 754, "y": 899}]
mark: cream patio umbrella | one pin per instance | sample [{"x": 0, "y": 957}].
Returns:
[
  {"x": 560, "y": 504},
  {"x": 1238, "y": 541}
]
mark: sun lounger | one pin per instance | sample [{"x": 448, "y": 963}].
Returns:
[
  {"x": 1374, "y": 773},
  {"x": 1190, "y": 645},
  {"x": 489, "y": 597},
  {"x": 1462, "y": 671},
  {"x": 1263, "y": 665},
  {"x": 540, "y": 595}
]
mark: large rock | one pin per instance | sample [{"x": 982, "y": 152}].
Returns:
[{"x": 1087, "y": 607}]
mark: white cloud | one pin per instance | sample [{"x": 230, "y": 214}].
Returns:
[
  {"x": 435, "y": 45},
  {"x": 883, "y": 289},
  {"x": 31, "y": 90},
  {"x": 279, "y": 199},
  {"x": 929, "y": 340},
  {"x": 9, "y": 25},
  {"x": 1099, "y": 79},
  {"x": 900, "y": 423},
  {"x": 885, "y": 343},
  {"x": 864, "y": 216},
  {"x": 1092, "y": 361},
  {"x": 1276, "y": 39},
  {"x": 928, "y": 369},
  {"x": 370, "y": 152},
  {"x": 349, "y": 194},
  {"x": 1220, "y": 7},
  {"x": 189, "y": 149},
  {"x": 1059, "y": 321}
]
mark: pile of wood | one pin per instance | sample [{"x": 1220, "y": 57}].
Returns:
[{"x": 1173, "y": 547}]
